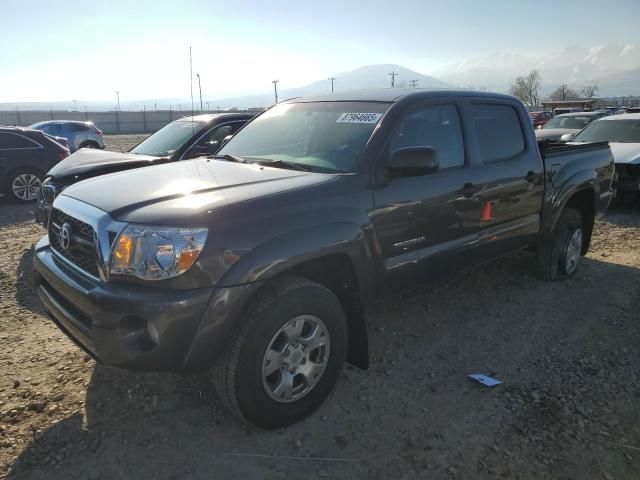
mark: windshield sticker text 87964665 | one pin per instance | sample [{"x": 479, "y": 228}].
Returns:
[{"x": 359, "y": 118}]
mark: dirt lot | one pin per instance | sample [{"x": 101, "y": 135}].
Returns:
[{"x": 569, "y": 408}]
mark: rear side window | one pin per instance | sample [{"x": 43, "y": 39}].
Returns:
[
  {"x": 498, "y": 132},
  {"x": 11, "y": 140}
]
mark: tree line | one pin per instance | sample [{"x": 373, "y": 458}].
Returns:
[{"x": 527, "y": 89}]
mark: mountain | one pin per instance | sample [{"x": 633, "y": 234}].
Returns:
[
  {"x": 604, "y": 65},
  {"x": 370, "y": 76}
]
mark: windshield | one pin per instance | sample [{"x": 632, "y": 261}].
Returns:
[
  {"x": 621, "y": 131},
  {"x": 323, "y": 136},
  {"x": 168, "y": 139},
  {"x": 573, "y": 121}
]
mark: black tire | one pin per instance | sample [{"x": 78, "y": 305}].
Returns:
[
  {"x": 15, "y": 177},
  {"x": 238, "y": 374},
  {"x": 89, "y": 144},
  {"x": 554, "y": 249}
]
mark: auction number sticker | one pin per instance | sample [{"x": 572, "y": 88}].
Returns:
[{"x": 359, "y": 118}]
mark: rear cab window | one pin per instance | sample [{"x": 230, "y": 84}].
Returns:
[{"x": 498, "y": 132}]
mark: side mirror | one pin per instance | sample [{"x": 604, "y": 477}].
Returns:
[
  {"x": 413, "y": 161},
  {"x": 208, "y": 148},
  {"x": 226, "y": 139},
  {"x": 567, "y": 137}
]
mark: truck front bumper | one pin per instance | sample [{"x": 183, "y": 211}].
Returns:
[{"x": 129, "y": 326}]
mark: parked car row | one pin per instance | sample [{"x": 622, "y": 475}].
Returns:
[{"x": 258, "y": 261}]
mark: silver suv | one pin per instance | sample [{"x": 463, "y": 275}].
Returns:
[{"x": 78, "y": 134}]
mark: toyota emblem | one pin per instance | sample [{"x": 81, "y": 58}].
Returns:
[{"x": 65, "y": 236}]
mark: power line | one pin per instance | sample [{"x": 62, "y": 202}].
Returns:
[
  {"x": 331, "y": 79},
  {"x": 393, "y": 76},
  {"x": 275, "y": 89}
]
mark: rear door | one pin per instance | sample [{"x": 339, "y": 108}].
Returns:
[
  {"x": 18, "y": 152},
  {"x": 419, "y": 220},
  {"x": 508, "y": 182}
]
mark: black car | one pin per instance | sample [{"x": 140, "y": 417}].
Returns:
[
  {"x": 185, "y": 138},
  {"x": 25, "y": 156},
  {"x": 260, "y": 263}
]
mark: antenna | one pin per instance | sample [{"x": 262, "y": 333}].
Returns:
[
  {"x": 331, "y": 79},
  {"x": 200, "y": 88},
  {"x": 275, "y": 88},
  {"x": 393, "y": 76}
]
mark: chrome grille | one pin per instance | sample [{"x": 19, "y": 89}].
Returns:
[
  {"x": 48, "y": 194},
  {"x": 81, "y": 250}
]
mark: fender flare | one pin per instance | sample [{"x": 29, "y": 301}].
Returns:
[{"x": 556, "y": 203}]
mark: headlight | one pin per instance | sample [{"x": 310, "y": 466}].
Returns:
[{"x": 156, "y": 253}]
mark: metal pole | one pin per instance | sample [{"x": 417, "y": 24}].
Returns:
[
  {"x": 144, "y": 118},
  {"x": 118, "y": 95},
  {"x": 331, "y": 79},
  {"x": 275, "y": 89}
]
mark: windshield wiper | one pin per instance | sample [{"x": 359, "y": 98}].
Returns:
[
  {"x": 229, "y": 158},
  {"x": 285, "y": 164}
]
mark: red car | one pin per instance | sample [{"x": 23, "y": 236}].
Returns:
[{"x": 540, "y": 118}]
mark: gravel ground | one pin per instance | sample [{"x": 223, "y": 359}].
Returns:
[{"x": 568, "y": 354}]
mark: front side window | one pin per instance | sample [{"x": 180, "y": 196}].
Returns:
[
  {"x": 497, "y": 131},
  {"x": 615, "y": 131},
  {"x": 169, "y": 138},
  {"x": 321, "y": 136},
  {"x": 438, "y": 127}
]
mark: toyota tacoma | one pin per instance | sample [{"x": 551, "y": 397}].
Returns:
[{"x": 258, "y": 263}]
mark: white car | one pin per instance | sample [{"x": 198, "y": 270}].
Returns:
[
  {"x": 623, "y": 134},
  {"x": 566, "y": 124}
]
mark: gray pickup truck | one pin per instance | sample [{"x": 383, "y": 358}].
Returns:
[{"x": 259, "y": 263}]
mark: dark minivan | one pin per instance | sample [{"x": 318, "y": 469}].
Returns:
[{"x": 25, "y": 156}]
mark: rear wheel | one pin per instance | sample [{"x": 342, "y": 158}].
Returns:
[
  {"x": 24, "y": 185},
  {"x": 559, "y": 253},
  {"x": 287, "y": 356}
]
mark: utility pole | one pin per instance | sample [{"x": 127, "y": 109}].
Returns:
[
  {"x": 275, "y": 89},
  {"x": 75, "y": 105},
  {"x": 208, "y": 107},
  {"x": 564, "y": 90},
  {"x": 413, "y": 83},
  {"x": 118, "y": 95},
  {"x": 331, "y": 79},
  {"x": 393, "y": 76}
]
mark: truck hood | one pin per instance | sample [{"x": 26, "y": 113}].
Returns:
[
  {"x": 622, "y": 152},
  {"x": 89, "y": 162},
  {"x": 554, "y": 133},
  {"x": 179, "y": 193},
  {"x": 625, "y": 152}
]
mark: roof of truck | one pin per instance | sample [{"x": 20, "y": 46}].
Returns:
[{"x": 393, "y": 95}]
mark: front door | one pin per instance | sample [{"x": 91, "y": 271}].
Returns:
[{"x": 419, "y": 220}]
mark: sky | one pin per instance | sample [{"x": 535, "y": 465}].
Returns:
[{"x": 62, "y": 50}]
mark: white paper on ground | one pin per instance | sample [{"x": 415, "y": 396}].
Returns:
[{"x": 485, "y": 380}]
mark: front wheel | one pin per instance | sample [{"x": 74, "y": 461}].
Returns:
[
  {"x": 287, "y": 356},
  {"x": 559, "y": 253}
]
